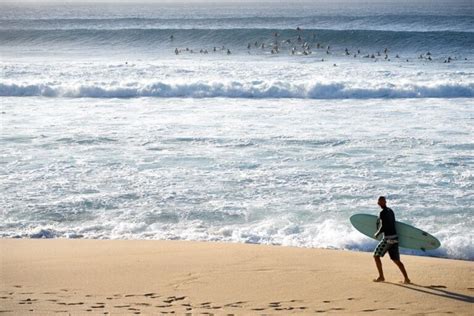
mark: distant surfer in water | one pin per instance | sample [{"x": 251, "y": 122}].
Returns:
[{"x": 386, "y": 224}]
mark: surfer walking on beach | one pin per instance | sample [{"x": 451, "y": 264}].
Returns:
[{"x": 386, "y": 224}]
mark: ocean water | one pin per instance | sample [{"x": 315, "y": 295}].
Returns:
[{"x": 106, "y": 132}]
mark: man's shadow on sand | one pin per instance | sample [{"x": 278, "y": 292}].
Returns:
[{"x": 437, "y": 290}]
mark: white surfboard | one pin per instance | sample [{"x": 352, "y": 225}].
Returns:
[{"x": 408, "y": 236}]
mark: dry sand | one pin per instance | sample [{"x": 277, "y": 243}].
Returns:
[{"x": 92, "y": 277}]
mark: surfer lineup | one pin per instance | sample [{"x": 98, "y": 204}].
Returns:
[{"x": 303, "y": 46}]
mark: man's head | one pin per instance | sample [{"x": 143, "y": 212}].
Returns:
[{"x": 382, "y": 202}]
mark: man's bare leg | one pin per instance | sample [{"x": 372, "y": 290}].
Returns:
[
  {"x": 378, "y": 263},
  {"x": 402, "y": 269}
]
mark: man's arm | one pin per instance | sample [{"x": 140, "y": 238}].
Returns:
[{"x": 380, "y": 226}]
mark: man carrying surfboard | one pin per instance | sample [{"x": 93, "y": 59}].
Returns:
[{"x": 386, "y": 224}]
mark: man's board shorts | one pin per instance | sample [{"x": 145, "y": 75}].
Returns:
[{"x": 390, "y": 244}]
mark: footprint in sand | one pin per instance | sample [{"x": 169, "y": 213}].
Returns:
[
  {"x": 142, "y": 304},
  {"x": 206, "y": 305},
  {"x": 235, "y": 304},
  {"x": 29, "y": 300},
  {"x": 284, "y": 308},
  {"x": 151, "y": 295},
  {"x": 176, "y": 298}
]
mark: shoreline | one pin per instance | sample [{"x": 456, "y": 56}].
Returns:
[
  {"x": 403, "y": 251},
  {"x": 79, "y": 276}
]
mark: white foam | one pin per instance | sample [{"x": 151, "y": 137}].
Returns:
[
  {"x": 331, "y": 233},
  {"x": 236, "y": 89},
  {"x": 248, "y": 155},
  {"x": 251, "y": 77}
]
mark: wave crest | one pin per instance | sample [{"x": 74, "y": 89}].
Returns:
[{"x": 236, "y": 89}]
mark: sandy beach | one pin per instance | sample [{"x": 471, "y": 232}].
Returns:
[{"x": 77, "y": 277}]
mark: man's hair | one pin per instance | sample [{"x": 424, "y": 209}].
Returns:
[{"x": 382, "y": 198}]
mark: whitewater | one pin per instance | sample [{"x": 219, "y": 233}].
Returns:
[{"x": 258, "y": 123}]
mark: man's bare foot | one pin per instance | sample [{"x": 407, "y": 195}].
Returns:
[
  {"x": 406, "y": 281},
  {"x": 379, "y": 279}
]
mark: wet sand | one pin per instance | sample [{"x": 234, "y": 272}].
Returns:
[{"x": 112, "y": 277}]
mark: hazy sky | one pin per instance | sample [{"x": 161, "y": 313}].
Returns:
[
  {"x": 346, "y": 2},
  {"x": 142, "y": 1},
  {"x": 171, "y": 1}
]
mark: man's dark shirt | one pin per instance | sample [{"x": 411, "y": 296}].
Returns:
[{"x": 388, "y": 222}]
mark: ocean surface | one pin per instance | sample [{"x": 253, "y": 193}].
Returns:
[{"x": 262, "y": 123}]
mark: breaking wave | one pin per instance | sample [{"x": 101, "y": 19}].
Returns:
[
  {"x": 326, "y": 234},
  {"x": 234, "y": 89}
]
